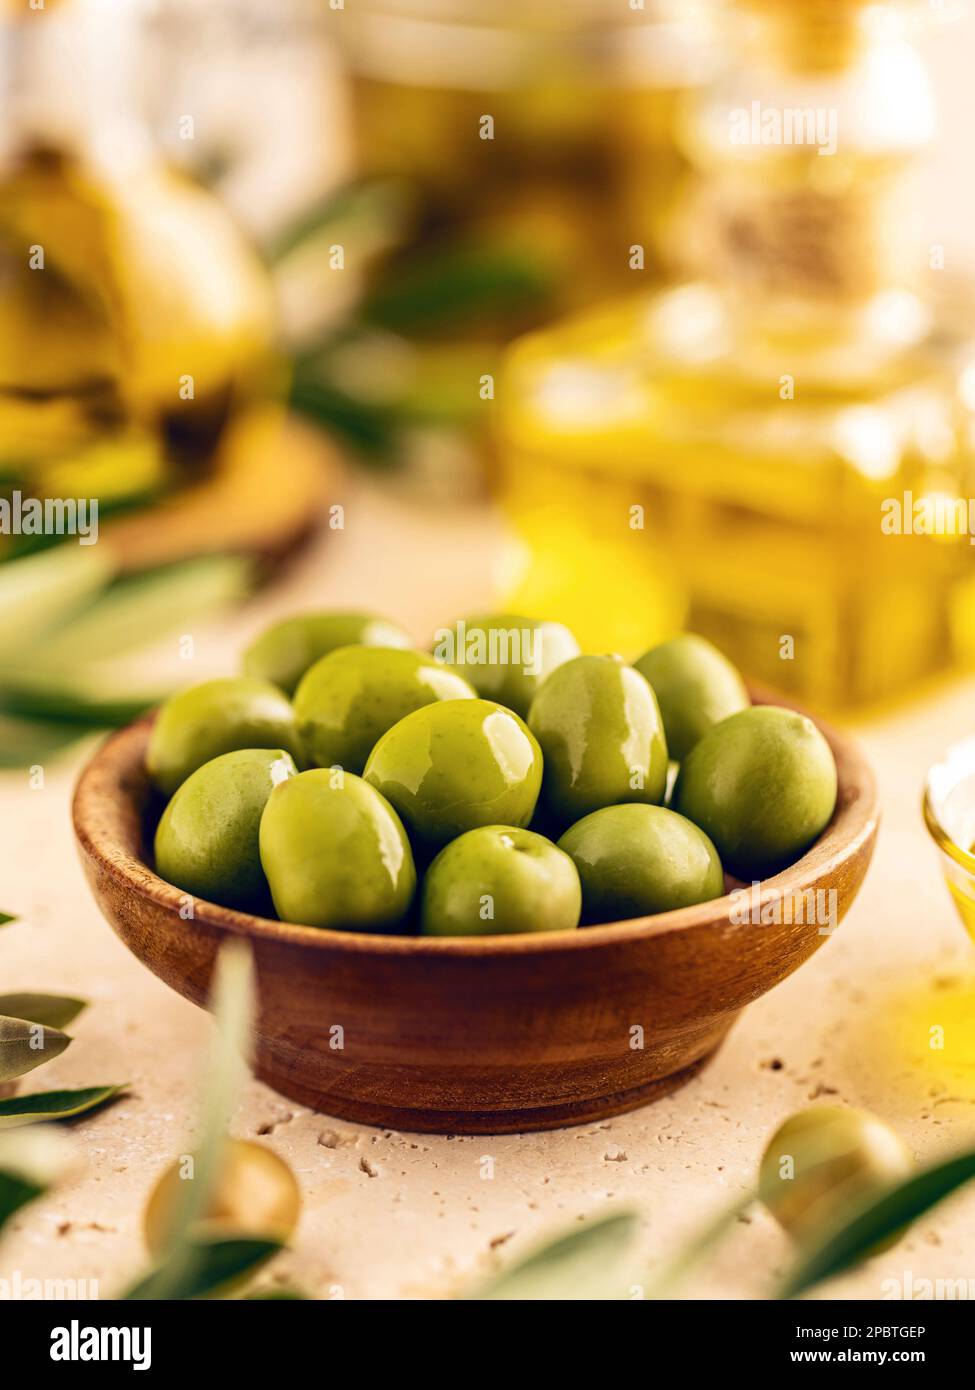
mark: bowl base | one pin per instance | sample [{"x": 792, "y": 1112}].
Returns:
[{"x": 406, "y": 1120}]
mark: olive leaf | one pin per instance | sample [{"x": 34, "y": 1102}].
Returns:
[
  {"x": 134, "y": 610},
  {"x": 232, "y": 996},
  {"x": 50, "y": 701},
  {"x": 16, "y": 1190},
  {"x": 880, "y": 1219},
  {"x": 25, "y": 1045},
  {"x": 31, "y": 1161},
  {"x": 38, "y": 590},
  {"x": 24, "y": 742},
  {"x": 6, "y": 918},
  {"x": 53, "y": 1010},
  {"x": 53, "y": 1105},
  {"x": 447, "y": 286},
  {"x": 665, "y": 1282},
  {"x": 70, "y": 706},
  {"x": 374, "y": 210},
  {"x": 585, "y": 1264},
  {"x": 214, "y": 1264},
  {"x": 371, "y": 429}
]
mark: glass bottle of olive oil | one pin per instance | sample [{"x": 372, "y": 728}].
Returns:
[{"x": 777, "y": 450}]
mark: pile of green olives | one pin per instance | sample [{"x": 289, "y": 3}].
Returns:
[{"x": 502, "y": 782}]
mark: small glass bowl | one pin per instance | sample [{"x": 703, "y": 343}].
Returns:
[{"x": 949, "y": 814}]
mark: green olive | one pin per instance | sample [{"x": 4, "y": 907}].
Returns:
[
  {"x": 349, "y": 698},
  {"x": 601, "y": 735},
  {"x": 217, "y": 717},
  {"x": 824, "y": 1162},
  {"x": 497, "y": 880},
  {"x": 207, "y": 839},
  {"x": 256, "y": 1195},
  {"x": 285, "y": 650},
  {"x": 335, "y": 853},
  {"x": 455, "y": 765},
  {"x": 635, "y": 860},
  {"x": 696, "y": 687},
  {"x": 506, "y": 657},
  {"x": 762, "y": 784}
]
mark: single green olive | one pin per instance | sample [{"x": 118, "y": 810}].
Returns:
[
  {"x": 207, "y": 839},
  {"x": 217, "y": 717},
  {"x": 256, "y": 1194},
  {"x": 825, "y": 1162},
  {"x": 696, "y": 687},
  {"x": 335, "y": 853},
  {"x": 506, "y": 657},
  {"x": 284, "y": 651},
  {"x": 601, "y": 735},
  {"x": 762, "y": 783},
  {"x": 350, "y": 697},
  {"x": 455, "y": 765},
  {"x": 635, "y": 860},
  {"x": 500, "y": 879}
]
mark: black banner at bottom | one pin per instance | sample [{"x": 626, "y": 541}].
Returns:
[{"x": 165, "y": 1338}]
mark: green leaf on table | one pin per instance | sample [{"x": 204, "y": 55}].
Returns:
[
  {"x": 665, "y": 1282},
  {"x": 70, "y": 706},
  {"x": 80, "y": 677},
  {"x": 25, "y": 1045},
  {"x": 31, "y": 1161},
  {"x": 449, "y": 286},
  {"x": 232, "y": 1002},
  {"x": 39, "y": 590},
  {"x": 373, "y": 211},
  {"x": 136, "y": 609},
  {"x": 53, "y": 1105},
  {"x": 882, "y": 1219},
  {"x": 16, "y": 1191},
  {"x": 585, "y": 1264},
  {"x": 24, "y": 742},
  {"x": 53, "y": 1010},
  {"x": 371, "y": 429},
  {"x": 214, "y": 1264}
]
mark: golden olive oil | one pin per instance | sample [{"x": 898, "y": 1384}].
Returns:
[{"x": 757, "y": 450}]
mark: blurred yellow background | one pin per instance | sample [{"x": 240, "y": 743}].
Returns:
[{"x": 418, "y": 270}]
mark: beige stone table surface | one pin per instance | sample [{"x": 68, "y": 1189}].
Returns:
[{"x": 391, "y": 1215}]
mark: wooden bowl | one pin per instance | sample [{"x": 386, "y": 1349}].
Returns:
[{"x": 475, "y": 1036}]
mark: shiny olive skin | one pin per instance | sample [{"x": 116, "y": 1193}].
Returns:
[
  {"x": 335, "y": 854},
  {"x": 207, "y": 839},
  {"x": 696, "y": 687},
  {"x": 824, "y": 1162},
  {"x": 498, "y": 880},
  {"x": 601, "y": 735},
  {"x": 455, "y": 765},
  {"x": 634, "y": 860},
  {"x": 506, "y": 657},
  {"x": 762, "y": 784},
  {"x": 286, "y": 650},
  {"x": 217, "y": 717},
  {"x": 349, "y": 698}
]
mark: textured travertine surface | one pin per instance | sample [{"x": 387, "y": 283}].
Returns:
[{"x": 400, "y": 1215}]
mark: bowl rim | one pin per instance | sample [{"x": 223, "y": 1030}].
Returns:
[
  {"x": 98, "y": 829},
  {"x": 932, "y": 820}
]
